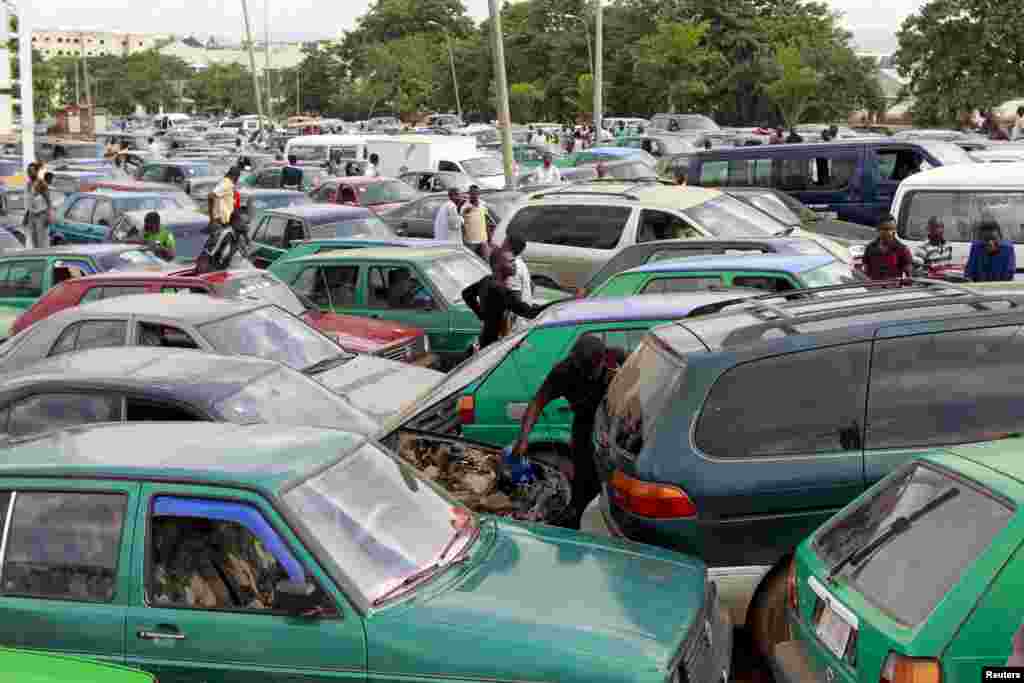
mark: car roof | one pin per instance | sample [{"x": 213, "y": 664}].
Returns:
[
  {"x": 640, "y": 191},
  {"x": 791, "y": 263},
  {"x": 1009, "y": 174},
  {"x": 192, "y": 308},
  {"x": 320, "y": 214},
  {"x": 387, "y": 253},
  {"x": 183, "y": 374},
  {"x": 173, "y": 216},
  {"x": 262, "y": 456},
  {"x": 110, "y": 194},
  {"x": 158, "y": 276},
  {"x": 374, "y": 242},
  {"x": 645, "y": 307},
  {"x": 361, "y": 180},
  {"x": 95, "y": 249},
  {"x": 267, "y": 191},
  {"x": 1002, "y": 456}
]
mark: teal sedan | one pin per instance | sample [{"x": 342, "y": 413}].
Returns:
[
  {"x": 224, "y": 553},
  {"x": 88, "y": 216}
]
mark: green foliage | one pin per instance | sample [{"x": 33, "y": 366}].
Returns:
[
  {"x": 677, "y": 62},
  {"x": 527, "y": 99},
  {"x": 795, "y": 86},
  {"x": 585, "y": 94},
  {"x": 222, "y": 88},
  {"x": 403, "y": 75}
]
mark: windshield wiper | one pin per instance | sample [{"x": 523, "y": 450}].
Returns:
[
  {"x": 431, "y": 569},
  {"x": 898, "y": 526},
  {"x": 326, "y": 363}
]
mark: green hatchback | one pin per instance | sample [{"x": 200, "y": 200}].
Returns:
[
  {"x": 225, "y": 553},
  {"x": 918, "y": 580},
  {"x": 419, "y": 287},
  {"x": 21, "y": 666}
]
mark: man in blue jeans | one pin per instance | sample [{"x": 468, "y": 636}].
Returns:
[{"x": 992, "y": 258}]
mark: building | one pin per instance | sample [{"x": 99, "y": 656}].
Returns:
[
  {"x": 282, "y": 55},
  {"x": 68, "y": 42}
]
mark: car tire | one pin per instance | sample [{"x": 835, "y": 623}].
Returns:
[{"x": 766, "y": 619}]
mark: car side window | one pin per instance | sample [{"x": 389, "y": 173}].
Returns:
[
  {"x": 64, "y": 545},
  {"x": 25, "y": 278},
  {"x": 218, "y": 555},
  {"x": 46, "y": 412},
  {"x": 81, "y": 210},
  {"x": 91, "y": 334},
  {"x": 668, "y": 285},
  {"x": 945, "y": 388},
  {"x": 714, "y": 173},
  {"x": 273, "y": 235},
  {"x": 782, "y": 405},
  {"x": 661, "y": 225},
  {"x": 155, "y": 334},
  {"x": 588, "y": 227},
  {"x": 294, "y": 231},
  {"x": 895, "y": 165},
  {"x": 448, "y": 166},
  {"x": 768, "y": 282},
  {"x": 104, "y": 213},
  {"x": 398, "y": 288},
  {"x": 137, "y": 410}
]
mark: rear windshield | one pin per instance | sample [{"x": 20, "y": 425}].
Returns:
[
  {"x": 961, "y": 211},
  {"x": 907, "y": 575},
  {"x": 639, "y": 392},
  {"x": 308, "y": 153},
  {"x": 364, "y": 226},
  {"x": 388, "y": 192},
  {"x": 587, "y": 227}
]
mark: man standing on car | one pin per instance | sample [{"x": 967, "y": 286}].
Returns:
[
  {"x": 886, "y": 258},
  {"x": 583, "y": 380},
  {"x": 491, "y": 299},
  {"x": 159, "y": 237},
  {"x": 448, "y": 219},
  {"x": 936, "y": 252},
  {"x": 221, "y": 202},
  {"x": 992, "y": 258}
]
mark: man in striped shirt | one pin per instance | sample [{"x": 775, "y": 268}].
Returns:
[{"x": 936, "y": 252}]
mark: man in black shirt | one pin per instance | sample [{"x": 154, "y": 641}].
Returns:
[
  {"x": 583, "y": 380},
  {"x": 492, "y": 300}
]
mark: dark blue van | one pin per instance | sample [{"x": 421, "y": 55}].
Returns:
[{"x": 855, "y": 181}]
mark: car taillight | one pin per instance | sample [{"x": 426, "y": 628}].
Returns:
[
  {"x": 791, "y": 587},
  {"x": 467, "y": 410},
  {"x": 900, "y": 669},
  {"x": 646, "y": 499}
]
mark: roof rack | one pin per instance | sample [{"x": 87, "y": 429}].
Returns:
[{"x": 559, "y": 192}]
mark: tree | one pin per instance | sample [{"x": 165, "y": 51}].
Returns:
[
  {"x": 795, "y": 86},
  {"x": 223, "y": 87},
  {"x": 526, "y": 100},
  {"x": 585, "y": 94},
  {"x": 679, "y": 63},
  {"x": 320, "y": 75},
  {"x": 403, "y": 76}
]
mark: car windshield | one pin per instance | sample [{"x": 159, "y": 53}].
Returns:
[
  {"x": 386, "y": 192},
  {"x": 279, "y": 201},
  {"x": 272, "y": 334},
  {"x": 771, "y": 205},
  {"x": 908, "y": 575},
  {"x": 483, "y": 166},
  {"x": 726, "y": 217},
  {"x": 366, "y": 226},
  {"x": 453, "y": 274},
  {"x": 946, "y": 152},
  {"x": 835, "y": 273},
  {"x": 131, "y": 259},
  {"x": 149, "y": 204},
  {"x": 308, "y": 152},
  {"x": 264, "y": 287},
  {"x": 283, "y": 397},
  {"x": 375, "y": 518}
]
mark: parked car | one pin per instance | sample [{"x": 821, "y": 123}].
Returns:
[
  {"x": 772, "y": 272},
  {"x": 380, "y": 195},
  {"x": 366, "y": 282},
  {"x": 230, "y": 327},
  {"x": 317, "y": 246},
  {"x": 571, "y": 231},
  {"x": 354, "y": 334},
  {"x": 416, "y": 219},
  {"x": 725, "y": 437},
  {"x": 331, "y": 552},
  {"x": 88, "y": 217},
  {"x": 658, "y": 146},
  {"x": 28, "y": 666},
  {"x": 190, "y": 230},
  {"x": 855, "y": 180},
  {"x": 788, "y": 210},
  {"x": 661, "y": 250},
  {"x": 917, "y": 576},
  {"x": 176, "y": 172},
  {"x": 436, "y": 181},
  {"x": 270, "y": 177},
  {"x": 129, "y": 185},
  {"x": 167, "y": 385},
  {"x": 530, "y": 155},
  {"x": 592, "y": 155},
  {"x": 279, "y": 229},
  {"x": 685, "y": 124}
]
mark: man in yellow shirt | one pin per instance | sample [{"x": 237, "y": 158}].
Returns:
[
  {"x": 474, "y": 224},
  {"x": 221, "y": 202}
]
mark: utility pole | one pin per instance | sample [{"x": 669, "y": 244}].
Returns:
[
  {"x": 504, "y": 117},
  {"x": 598, "y": 70},
  {"x": 78, "y": 92},
  {"x": 6, "y": 92},
  {"x": 28, "y": 112},
  {"x": 252, "y": 64},
  {"x": 298, "y": 91},
  {"x": 455, "y": 79},
  {"x": 85, "y": 71},
  {"x": 266, "y": 39}
]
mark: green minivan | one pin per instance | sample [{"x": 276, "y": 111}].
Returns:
[
  {"x": 918, "y": 580},
  {"x": 214, "y": 553},
  {"x": 21, "y": 666}
]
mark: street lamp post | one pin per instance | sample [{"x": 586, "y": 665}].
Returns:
[
  {"x": 504, "y": 117},
  {"x": 252, "y": 65},
  {"x": 28, "y": 112},
  {"x": 598, "y": 69},
  {"x": 451, "y": 60}
]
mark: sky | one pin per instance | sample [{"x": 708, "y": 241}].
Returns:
[{"x": 873, "y": 21}]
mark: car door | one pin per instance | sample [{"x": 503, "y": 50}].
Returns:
[
  {"x": 66, "y": 565},
  {"x": 207, "y": 563},
  {"x": 333, "y": 287},
  {"x": 827, "y": 181},
  {"x": 75, "y": 224},
  {"x": 888, "y": 165},
  {"x": 268, "y": 241},
  {"x": 400, "y": 292},
  {"x": 24, "y": 282}
]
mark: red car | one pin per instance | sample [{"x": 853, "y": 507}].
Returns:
[
  {"x": 355, "y": 334},
  {"x": 380, "y": 195}
]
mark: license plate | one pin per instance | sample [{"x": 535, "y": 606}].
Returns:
[{"x": 834, "y": 631}]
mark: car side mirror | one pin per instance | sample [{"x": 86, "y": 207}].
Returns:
[{"x": 294, "y": 597}]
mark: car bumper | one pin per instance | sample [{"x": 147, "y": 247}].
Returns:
[{"x": 791, "y": 663}]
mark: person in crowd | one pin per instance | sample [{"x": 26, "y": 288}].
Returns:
[
  {"x": 548, "y": 173},
  {"x": 826, "y": 134},
  {"x": 793, "y": 137},
  {"x": 158, "y": 236},
  {"x": 448, "y": 219},
  {"x": 474, "y": 224},
  {"x": 491, "y": 299},
  {"x": 777, "y": 137},
  {"x": 602, "y": 169},
  {"x": 936, "y": 252},
  {"x": 680, "y": 175},
  {"x": 529, "y": 134},
  {"x": 992, "y": 259},
  {"x": 110, "y": 150},
  {"x": 1018, "y": 126},
  {"x": 371, "y": 168},
  {"x": 583, "y": 379},
  {"x": 30, "y": 178},
  {"x": 519, "y": 282},
  {"x": 291, "y": 175},
  {"x": 221, "y": 201},
  {"x": 40, "y": 209},
  {"x": 620, "y": 131},
  {"x": 886, "y": 258}
]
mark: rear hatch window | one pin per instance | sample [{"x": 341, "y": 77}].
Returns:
[
  {"x": 587, "y": 227},
  {"x": 946, "y": 523}
]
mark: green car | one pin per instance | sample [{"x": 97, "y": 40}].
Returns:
[
  {"x": 218, "y": 553},
  {"x": 20, "y": 666},
  {"x": 419, "y": 287},
  {"x": 919, "y": 579},
  {"x": 27, "y": 275},
  {"x": 772, "y": 272}
]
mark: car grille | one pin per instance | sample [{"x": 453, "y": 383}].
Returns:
[
  {"x": 443, "y": 418},
  {"x": 405, "y": 352},
  {"x": 705, "y": 651}
]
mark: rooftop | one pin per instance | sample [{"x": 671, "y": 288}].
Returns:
[
  {"x": 75, "y": 250},
  {"x": 1003, "y": 456},
  {"x": 193, "y": 308},
  {"x": 256, "y": 456},
  {"x": 647, "y": 192},
  {"x": 387, "y": 253},
  {"x": 789, "y": 263},
  {"x": 319, "y": 214},
  {"x": 646, "y": 307}
]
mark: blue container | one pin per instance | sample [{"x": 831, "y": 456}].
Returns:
[{"x": 518, "y": 468}]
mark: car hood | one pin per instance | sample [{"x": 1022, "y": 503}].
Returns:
[
  {"x": 537, "y": 602},
  {"x": 361, "y": 335},
  {"x": 828, "y": 244},
  {"x": 377, "y": 386},
  {"x": 385, "y": 207}
]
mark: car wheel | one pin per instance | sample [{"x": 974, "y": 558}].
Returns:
[{"x": 767, "y": 618}]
